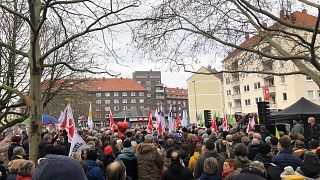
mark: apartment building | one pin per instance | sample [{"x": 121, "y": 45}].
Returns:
[
  {"x": 176, "y": 97},
  {"x": 205, "y": 92},
  {"x": 242, "y": 91},
  {"x": 105, "y": 95},
  {"x": 151, "y": 80}
]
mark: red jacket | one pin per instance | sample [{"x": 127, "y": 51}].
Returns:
[{"x": 23, "y": 177}]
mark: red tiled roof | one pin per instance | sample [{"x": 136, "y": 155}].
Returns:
[
  {"x": 176, "y": 93},
  {"x": 104, "y": 85},
  {"x": 300, "y": 18}
]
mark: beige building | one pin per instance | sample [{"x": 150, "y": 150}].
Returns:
[
  {"x": 205, "y": 92},
  {"x": 242, "y": 91}
]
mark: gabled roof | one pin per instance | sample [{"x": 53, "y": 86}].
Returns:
[
  {"x": 207, "y": 70},
  {"x": 176, "y": 93},
  {"x": 297, "y": 17}
]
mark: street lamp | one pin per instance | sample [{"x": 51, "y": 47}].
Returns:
[{"x": 195, "y": 97}]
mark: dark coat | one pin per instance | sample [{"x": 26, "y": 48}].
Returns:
[
  {"x": 247, "y": 176},
  {"x": 314, "y": 132},
  {"x": 11, "y": 147},
  {"x": 45, "y": 148},
  {"x": 242, "y": 162},
  {"x": 3, "y": 175},
  {"x": 286, "y": 158},
  {"x": 253, "y": 150},
  {"x": 149, "y": 162},
  {"x": 177, "y": 172},
  {"x": 130, "y": 161},
  {"x": 205, "y": 176},
  {"x": 265, "y": 159},
  {"x": 12, "y": 176},
  {"x": 94, "y": 171},
  {"x": 209, "y": 153}
]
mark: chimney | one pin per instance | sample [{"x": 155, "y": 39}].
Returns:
[
  {"x": 104, "y": 78},
  {"x": 121, "y": 78},
  {"x": 209, "y": 67},
  {"x": 247, "y": 35},
  {"x": 304, "y": 11},
  {"x": 281, "y": 14}
]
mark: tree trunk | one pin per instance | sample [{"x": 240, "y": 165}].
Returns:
[{"x": 35, "y": 82}]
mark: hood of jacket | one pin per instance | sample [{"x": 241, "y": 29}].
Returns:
[
  {"x": 91, "y": 164},
  {"x": 127, "y": 154},
  {"x": 145, "y": 148},
  {"x": 243, "y": 160},
  {"x": 212, "y": 153}
]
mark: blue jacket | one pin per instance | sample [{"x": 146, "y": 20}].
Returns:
[
  {"x": 94, "y": 171},
  {"x": 205, "y": 176},
  {"x": 286, "y": 158},
  {"x": 130, "y": 161}
]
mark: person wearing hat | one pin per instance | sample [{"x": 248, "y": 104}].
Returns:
[
  {"x": 16, "y": 141},
  {"x": 209, "y": 152},
  {"x": 18, "y": 153},
  {"x": 108, "y": 156},
  {"x": 129, "y": 159},
  {"x": 57, "y": 167},
  {"x": 94, "y": 171}
]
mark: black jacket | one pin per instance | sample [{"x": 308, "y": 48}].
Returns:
[
  {"x": 177, "y": 172},
  {"x": 253, "y": 150},
  {"x": 265, "y": 159},
  {"x": 45, "y": 148}
]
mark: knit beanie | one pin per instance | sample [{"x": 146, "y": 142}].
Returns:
[{"x": 108, "y": 150}]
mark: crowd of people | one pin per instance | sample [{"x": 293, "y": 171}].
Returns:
[{"x": 190, "y": 153}]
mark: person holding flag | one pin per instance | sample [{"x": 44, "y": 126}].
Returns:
[{"x": 90, "y": 122}]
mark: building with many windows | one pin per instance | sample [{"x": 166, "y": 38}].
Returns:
[
  {"x": 151, "y": 80},
  {"x": 242, "y": 91},
  {"x": 105, "y": 95},
  {"x": 177, "y": 97}
]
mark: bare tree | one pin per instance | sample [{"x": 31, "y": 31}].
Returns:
[
  {"x": 78, "y": 19},
  {"x": 193, "y": 27}
]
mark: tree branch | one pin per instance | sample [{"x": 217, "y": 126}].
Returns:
[
  {"x": 13, "y": 49},
  {"x": 19, "y": 93},
  {"x": 310, "y": 3},
  {"x": 66, "y": 2}
]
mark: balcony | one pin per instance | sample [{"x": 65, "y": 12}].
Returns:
[
  {"x": 159, "y": 90},
  {"x": 237, "y": 109},
  {"x": 272, "y": 89},
  {"x": 236, "y": 96},
  {"x": 159, "y": 97}
]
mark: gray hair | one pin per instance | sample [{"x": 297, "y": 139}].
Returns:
[
  {"x": 148, "y": 138},
  {"x": 26, "y": 168}
]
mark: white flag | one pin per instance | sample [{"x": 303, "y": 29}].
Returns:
[
  {"x": 70, "y": 127},
  {"x": 90, "y": 122},
  {"x": 170, "y": 119},
  {"x": 162, "y": 118},
  {"x": 184, "y": 116},
  {"x": 77, "y": 144}
]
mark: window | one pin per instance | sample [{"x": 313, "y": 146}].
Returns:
[
  {"x": 179, "y": 114},
  {"x": 148, "y": 95},
  {"x": 247, "y": 102},
  {"x": 116, "y": 101},
  {"x": 141, "y": 93},
  {"x": 258, "y": 99},
  {"x": 133, "y": 100},
  {"x": 97, "y": 108},
  {"x": 107, "y": 108},
  {"x": 257, "y": 86},
  {"x": 133, "y": 94},
  {"x": 179, "y": 108},
  {"x": 141, "y": 100},
  {"x": 124, "y": 108},
  {"x": 174, "y": 102},
  {"x": 99, "y": 116},
  {"x": 116, "y": 108},
  {"x": 148, "y": 83},
  {"x": 98, "y": 101},
  {"x": 149, "y": 88},
  {"x": 228, "y": 92},
  {"x": 106, "y": 116},
  {"x": 308, "y": 78},
  {"x": 281, "y": 63},
  {"x": 124, "y": 101},
  {"x": 245, "y": 75},
  {"x": 284, "y": 96},
  {"x": 141, "y": 107},
  {"x": 311, "y": 94},
  {"x": 282, "y": 79},
  {"x": 107, "y": 94},
  {"x": 116, "y": 94},
  {"x": 107, "y": 101},
  {"x": 246, "y": 88},
  {"x": 229, "y": 104},
  {"x": 270, "y": 82},
  {"x": 227, "y": 80},
  {"x": 149, "y": 101},
  {"x": 139, "y": 82},
  {"x": 158, "y": 82},
  {"x": 272, "y": 99},
  {"x": 179, "y": 102},
  {"x": 98, "y": 94},
  {"x": 124, "y": 94},
  {"x": 133, "y": 107},
  {"x": 169, "y": 101}
]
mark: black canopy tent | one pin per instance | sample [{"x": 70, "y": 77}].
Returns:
[{"x": 300, "y": 110}]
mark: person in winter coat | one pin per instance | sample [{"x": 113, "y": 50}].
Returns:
[
  {"x": 18, "y": 153},
  {"x": 129, "y": 159},
  {"x": 297, "y": 127},
  {"x": 229, "y": 169},
  {"x": 310, "y": 167},
  {"x": 176, "y": 171},
  {"x": 195, "y": 157},
  {"x": 26, "y": 170},
  {"x": 94, "y": 171},
  {"x": 285, "y": 156},
  {"x": 13, "y": 167},
  {"x": 253, "y": 150},
  {"x": 16, "y": 140},
  {"x": 299, "y": 149},
  {"x": 209, "y": 152},
  {"x": 241, "y": 154},
  {"x": 45, "y": 146},
  {"x": 210, "y": 168},
  {"x": 149, "y": 160},
  {"x": 264, "y": 155},
  {"x": 255, "y": 171}
]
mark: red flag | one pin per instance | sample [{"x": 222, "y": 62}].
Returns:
[
  {"x": 225, "y": 125},
  {"x": 112, "y": 125},
  {"x": 160, "y": 128},
  {"x": 178, "y": 122},
  {"x": 214, "y": 125},
  {"x": 150, "y": 123},
  {"x": 70, "y": 124},
  {"x": 251, "y": 124}
]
